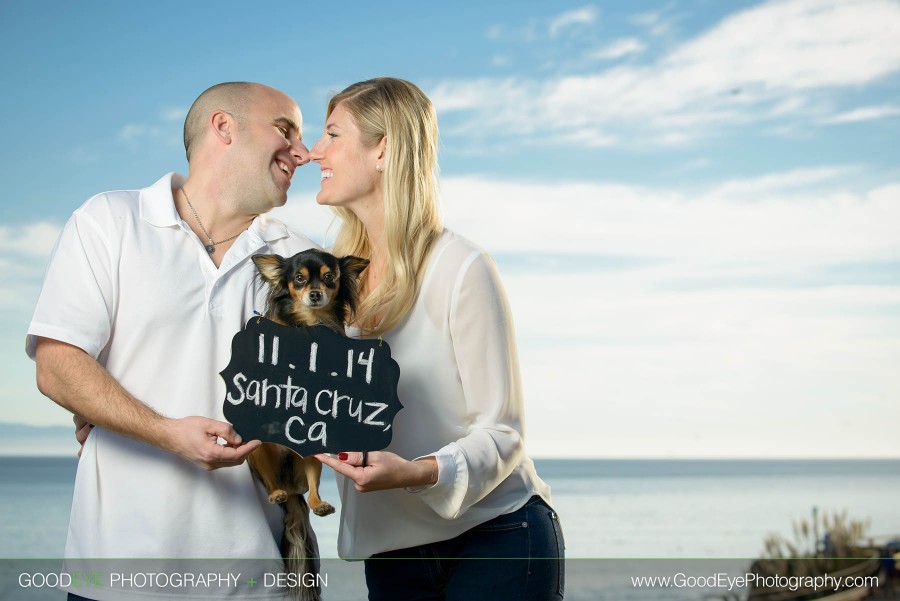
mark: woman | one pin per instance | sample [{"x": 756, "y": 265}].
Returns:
[{"x": 455, "y": 483}]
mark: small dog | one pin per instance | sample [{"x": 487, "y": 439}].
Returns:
[{"x": 311, "y": 288}]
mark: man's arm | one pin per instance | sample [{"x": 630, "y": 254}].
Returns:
[{"x": 76, "y": 382}]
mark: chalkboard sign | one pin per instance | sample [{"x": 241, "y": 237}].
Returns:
[{"x": 310, "y": 389}]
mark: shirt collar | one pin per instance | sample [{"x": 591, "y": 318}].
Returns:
[
  {"x": 157, "y": 204},
  {"x": 158, "y": 208},
  {"x": 268, "y": 228}
]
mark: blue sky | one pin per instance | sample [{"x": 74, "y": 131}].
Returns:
[{"x": 695, "y": 205}]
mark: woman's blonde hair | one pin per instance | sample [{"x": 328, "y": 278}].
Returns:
[{"x": 398, "y": 111}]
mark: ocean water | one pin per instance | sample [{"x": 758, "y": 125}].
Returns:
[{"x": 610, "y": 509}]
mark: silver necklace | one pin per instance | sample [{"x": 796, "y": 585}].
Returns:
[{"x": 211, "y": 247}]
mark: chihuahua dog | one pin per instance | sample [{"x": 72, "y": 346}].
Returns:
[{"x": 311, "y": 288}]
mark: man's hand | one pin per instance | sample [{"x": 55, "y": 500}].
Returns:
[{"x": 196, "y": 439}]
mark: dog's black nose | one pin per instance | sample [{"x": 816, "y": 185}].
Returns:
[{"x": 315, "y": 296}]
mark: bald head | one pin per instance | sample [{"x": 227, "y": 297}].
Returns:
[{"x": 231, "y": 97}]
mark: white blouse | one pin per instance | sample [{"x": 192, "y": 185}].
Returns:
[{"x": 462, "y": 402}]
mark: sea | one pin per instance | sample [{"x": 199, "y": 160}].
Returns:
[{"x": 620, "y": 518}]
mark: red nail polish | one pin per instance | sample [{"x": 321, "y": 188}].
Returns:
[{"x": 343, "y": 456}]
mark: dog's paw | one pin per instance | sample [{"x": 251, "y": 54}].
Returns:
[
  {"x": 278, "y": 496},
  {"x": 324, "y": 509}
]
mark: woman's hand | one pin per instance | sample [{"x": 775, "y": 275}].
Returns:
[
  {"x": 383, "y": 470},
  {"x": 82, "y": 429}
]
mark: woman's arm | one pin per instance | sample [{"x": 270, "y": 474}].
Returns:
[
  {"x": 483, "y": 334},
  {"x": 465, "y": 471}
]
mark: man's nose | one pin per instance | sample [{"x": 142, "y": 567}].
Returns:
[{"x": 300, "y": 153}]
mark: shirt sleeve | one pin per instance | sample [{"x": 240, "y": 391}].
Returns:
[
  {"x": 76, "y": 302},
  {"x": 482, "y": 331}
]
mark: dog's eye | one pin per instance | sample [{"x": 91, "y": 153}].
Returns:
[
  {"x": 300, "y": 280},
  {"x": 329, "y": 278}
]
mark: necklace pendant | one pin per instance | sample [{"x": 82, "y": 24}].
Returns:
[{"x": 210, "y": 248}]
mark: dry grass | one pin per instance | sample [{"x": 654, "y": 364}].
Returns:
[{"x": 806, "y": 554}]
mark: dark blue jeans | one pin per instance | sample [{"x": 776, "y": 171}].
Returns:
[{"x": 514, "y": 557}]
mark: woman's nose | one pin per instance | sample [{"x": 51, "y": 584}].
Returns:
[{"x": 315, "y": 153}]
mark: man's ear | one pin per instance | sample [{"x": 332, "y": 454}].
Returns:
[{"x": 222, "y": 124}]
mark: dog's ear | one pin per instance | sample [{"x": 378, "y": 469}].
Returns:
[
  {"x": 353, "y": 266},
  {"x": 270, "y": 267}
]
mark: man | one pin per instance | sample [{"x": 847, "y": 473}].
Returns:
[{"x": 144, "y": 292}]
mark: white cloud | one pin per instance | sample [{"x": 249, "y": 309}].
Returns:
[
  {"x": 735, "y": 324},
  {"x": 312, "y": 131},
  {"x": 467, "y": 95},
  {"x": 694, "y": 164},
  {"x": 775, "y": 183},
  {"x": 654, "y": 22},
  {"x": 590, "y": 137},
  {"x": 701, "y": 374},
  {"x": 303, "y": 213},
  {"x": 618, "y": 49},
  {"x": 799, "y": 44},
  {"x": 528, "y": 32},
  {"x": 867, "y": 113},
  {"x": 24, "y": 251},
  {"x": 494, "y": 32},
  {"x": 760, "y": 64},
  {"x": 34, "y": 239},
  {"x": 794, "y": 222},
  {"x": 582, "y": 16},
  {"x": 535, "y": 29},
  {"x": 135, "y": 132},
  {"x": 168, "y": 125},
  {"x": 174, "y": 114},
  {"x": 501, "y": 60}
]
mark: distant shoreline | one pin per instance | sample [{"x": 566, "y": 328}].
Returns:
[
  {"x": 704, "y": 468},
  {"x": 26, "y": 440}
]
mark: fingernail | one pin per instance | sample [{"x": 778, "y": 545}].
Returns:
[
  {"x": 343, "y": 456},
  {"x": 237, "y": 439}
]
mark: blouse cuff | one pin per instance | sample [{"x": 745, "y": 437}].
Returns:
[{"x": 446, "y": 496}]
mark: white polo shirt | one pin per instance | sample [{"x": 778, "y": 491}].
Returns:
[{"x": 132, "y": 285}]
